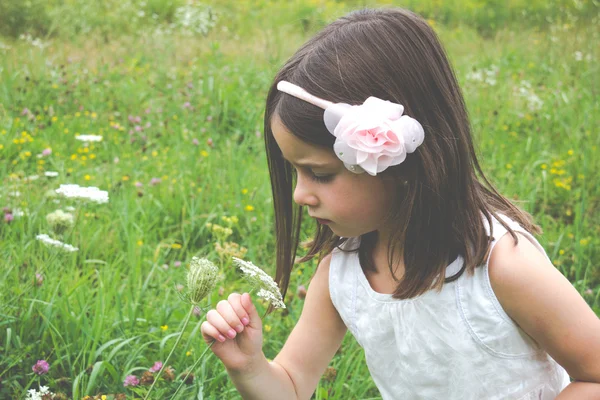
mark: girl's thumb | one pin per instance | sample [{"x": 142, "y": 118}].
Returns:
[{"x": 255, "y": 321}]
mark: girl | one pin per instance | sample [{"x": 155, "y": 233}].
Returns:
[{"x": 436, "y": 274}]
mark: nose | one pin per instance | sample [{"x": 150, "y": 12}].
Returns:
[{"x": 303, "y": 193}]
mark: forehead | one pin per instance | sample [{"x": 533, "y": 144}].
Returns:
[{"x": 296, "y": 150}]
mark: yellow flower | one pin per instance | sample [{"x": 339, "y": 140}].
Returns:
[
  {"x": 188, "y": 353},
  {"x": 175, "y": 246},
  {"x": 544, "y": 166},
  {"x": 570, "y": 152},
  {"x": 1, "y": 146},
  {"x": 140, "y": 242},
  {"x": 204, "y": 153},
  {"x": 249, "y": 208},
  {"x": 125, "y": 178},
  {"x": 584, "y": 242},
  {"x": 154, "y": 153},
  {"x": 87, "y": 177},
  {"x": 509, "y": 166},
  {"x": 244, "y": 191},
  {"x": 267, "y": 328},
  {"x": 561, "y": 252},
  {"x": 164, "y": 327}
]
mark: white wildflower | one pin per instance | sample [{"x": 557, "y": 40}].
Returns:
[
  {"x": 201, "y": 279},
  {"x": 487, "y": 76},
  {"x": 33, "y": 394},
  {"x": 268, "y": 289},
  {"x": 32, "y": 178},
  {"x": 87, "y": 193},
  {"x": 534, "y": 102},
  {"x": 57, "y": 243},
  {"x": 51, "y": 174},
  {"x": 60, "y": 221},
  {"x": 17, "y": 212},
  {"x": 578, "y": 56},
  {"x": 89, "y": 138}
]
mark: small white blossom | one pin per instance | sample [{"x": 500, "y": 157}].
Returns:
[
  {"x": 17, "y": 212},
  {"x": 268, "y": 289},
  {"x": 33, "y": 394},
  {"x": 534, "y": 102},
  {"x": 44, "y": 238},
  {"x": 89, "y": 138},
  {"x": 51, "y": 174},
  {"x": 87, "y": 193}
]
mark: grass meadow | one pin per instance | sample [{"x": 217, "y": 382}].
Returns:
[{"x": 176, "y": 90}]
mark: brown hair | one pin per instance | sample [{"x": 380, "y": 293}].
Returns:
[{"x": 443, "y": 194}]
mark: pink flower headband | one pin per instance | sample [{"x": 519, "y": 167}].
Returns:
[{"x": 369, "y": 137}]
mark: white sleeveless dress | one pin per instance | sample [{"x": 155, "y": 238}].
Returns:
[{"x": 457, "y": 344}]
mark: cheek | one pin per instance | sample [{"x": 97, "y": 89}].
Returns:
[{"x": 365, "y": 198}]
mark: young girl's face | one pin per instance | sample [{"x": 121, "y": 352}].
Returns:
[{"x": 350, "y": 204}]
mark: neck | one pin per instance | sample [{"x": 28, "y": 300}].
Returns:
[{"x": 381, "y": 257}]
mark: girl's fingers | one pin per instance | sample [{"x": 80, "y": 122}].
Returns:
[
  {"x": 210, "y": 333},
  {"x": 255, "y": 321},
  {"x": 224, "y": 319},
  {"x": 227, "y": 311},
  {"x": 235, "y": 299}
]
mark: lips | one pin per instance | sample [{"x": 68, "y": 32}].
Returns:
[{"x": 323, "y": 221}]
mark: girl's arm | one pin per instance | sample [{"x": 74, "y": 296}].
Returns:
[
  {"x": 295, "y": 372},
  {"x": 315, "y": 338},
  {"x": 548, "y": 308}
]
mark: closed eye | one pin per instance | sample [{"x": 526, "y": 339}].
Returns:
[{"x": 321, "y": 178}]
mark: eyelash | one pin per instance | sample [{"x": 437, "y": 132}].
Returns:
[
  {"x": 317, "y": 178},
  {"x": 321, "y": 179}
]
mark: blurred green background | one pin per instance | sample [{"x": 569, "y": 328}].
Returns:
[{"x": 176, "y": 89}]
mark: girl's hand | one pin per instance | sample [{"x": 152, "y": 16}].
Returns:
[{"x": 236, "y": 330}]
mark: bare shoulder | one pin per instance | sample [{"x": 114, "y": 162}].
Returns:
[
  {"x": 319, "y": 329},
  {"x": 546, "y": 306}
]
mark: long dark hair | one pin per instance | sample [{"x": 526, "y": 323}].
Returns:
[{"x": 443, "y": 194}]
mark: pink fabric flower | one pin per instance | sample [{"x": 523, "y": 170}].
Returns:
[
  {"x": 41, "y": 367},
  {"x": 373, "y": 136},
  {"x": 156, "y": 367},
  {"x": 131, "y": 380}
]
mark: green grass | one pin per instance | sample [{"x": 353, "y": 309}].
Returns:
[{"x": 98, "y": 313}]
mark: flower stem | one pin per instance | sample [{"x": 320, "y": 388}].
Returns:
[
  {"x": 187, "y": 319},
  {"x": 191, "y": 369}
]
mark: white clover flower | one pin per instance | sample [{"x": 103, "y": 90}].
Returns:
[
  {"x": 268, "y": 289},
  {"x": 33, "y": 394},
  {"x": 17, "y": 212},
  {"x": 51, "y": 174},
  {"x": 89, "y": 138},
  {"x": 44, "y": 238},
  {"x": 87, "y": 193},
  {"x": 60, "y": 221},
  {"x": 201, "y": 279}
]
